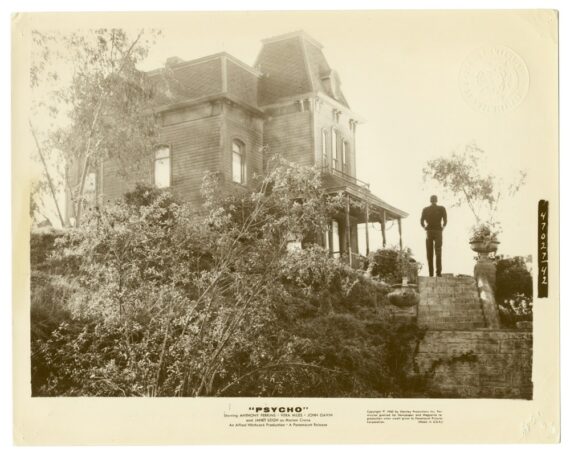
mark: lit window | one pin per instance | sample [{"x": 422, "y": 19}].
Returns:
[
  {"x": 162, "y": 167},
  {"x": 345, "y": 156},
  {"x": 335, "y": 149},
  {"x": 238, "y": 162},
  {"x": 324, "y": 150}
]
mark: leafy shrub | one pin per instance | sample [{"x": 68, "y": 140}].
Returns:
[
  {"x": 391, "y": 265},
  {"x": 42, "y": 243},
  {"x": 163, "y": 302},
  {"x": 484, "y": 232},
  {"x": 514, "y": 291},
  {"x": 513, "y": 277}
]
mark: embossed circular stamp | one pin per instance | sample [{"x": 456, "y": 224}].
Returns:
[{"x": 494, "y": 79}]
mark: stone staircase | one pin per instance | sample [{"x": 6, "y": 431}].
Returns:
[
  {"x": 464, "y": 353},
  {"x": 449, "y": 303}
]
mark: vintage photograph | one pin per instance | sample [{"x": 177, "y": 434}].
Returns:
[{"x": 301, "y": 210}]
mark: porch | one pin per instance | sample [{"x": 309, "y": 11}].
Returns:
[{"x": 361, "y": 209}]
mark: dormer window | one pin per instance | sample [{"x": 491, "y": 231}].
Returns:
[
  {"x": 162, "y": 167},
  {"x": 331, "y": 83},
  {"x": 238, "y": 162}
]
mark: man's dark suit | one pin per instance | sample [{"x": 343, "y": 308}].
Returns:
[{"x": 431, "y": 221}]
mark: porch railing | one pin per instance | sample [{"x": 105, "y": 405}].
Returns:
[{"x": 346, "y": 178}]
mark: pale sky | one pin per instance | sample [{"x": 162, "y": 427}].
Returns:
[{"x": 401, "y": 71}]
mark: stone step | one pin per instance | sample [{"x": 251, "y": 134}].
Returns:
[
  {"x": 448, "y": 288},
  {"x": 451, "y": 326},
  {"x": 449, "y": 302}
]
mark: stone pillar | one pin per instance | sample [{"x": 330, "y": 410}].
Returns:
[
  {"x": 486, "y": 268},
  {"x": 485, "y": 273}
]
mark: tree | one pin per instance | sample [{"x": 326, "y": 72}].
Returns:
[
  {"x": 90, "y": 104},
  {"x": 462, "y": 177},
  {"x": 169, "y": 302}
]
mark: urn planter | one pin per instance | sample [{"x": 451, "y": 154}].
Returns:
[
  {"x": 403, "y": 295},
  {"x": 484, "y": 247}
]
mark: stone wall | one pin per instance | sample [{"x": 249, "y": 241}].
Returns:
[
  {"x": 449, "y": 302},
  {"x": 476, "y": 363}
]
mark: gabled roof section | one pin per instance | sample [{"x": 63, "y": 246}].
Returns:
[{"x": 294, "y": 64}]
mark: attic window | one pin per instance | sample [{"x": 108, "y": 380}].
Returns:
[
  {"x": 331, "y": 83},
  {"x": 334, "y": 85}
]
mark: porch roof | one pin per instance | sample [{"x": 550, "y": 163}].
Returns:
[{"x": 335, "y": 181}]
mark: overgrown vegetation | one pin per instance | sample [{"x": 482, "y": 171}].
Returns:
[
  {"x": 390, "y": 265},
  {"x": 90, "y": 104},
  {"x": 514, "y": 291},
  {"x": 149, "y": 298}
]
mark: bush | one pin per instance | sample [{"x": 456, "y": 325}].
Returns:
[
  {"x": 162, "y": 302},
  {"x": 513, "y": 277},
  {"x": 514, "y": 291},
  {"x": 391, "y": 265}
]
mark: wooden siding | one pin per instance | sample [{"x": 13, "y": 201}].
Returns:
[
  {"x": 195, "y": 149},
  {"x": 291, "y": 136},
  {"x": 120, "y": 177}
]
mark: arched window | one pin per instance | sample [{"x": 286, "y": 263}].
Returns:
[
  {"x": 162, "y": 167},
  {"x": 324, "y": 148},
  {"x": 345, "y": 151},
  {"x": 334, "y": 146},
  {"x": 238, "y": 162}
]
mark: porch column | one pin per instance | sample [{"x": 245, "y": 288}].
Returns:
[
  {"x": 400, "y": 232},
  {"x": 383, "y": 225},
  {"x": 347, "y": 229},
  {"x": 366, "y": 230},
  {"x": 330, "y": 235}
]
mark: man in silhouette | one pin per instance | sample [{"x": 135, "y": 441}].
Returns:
[{"x": 433, "y": 221}]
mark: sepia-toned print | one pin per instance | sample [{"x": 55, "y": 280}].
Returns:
[{"x": 291, "y": 213}]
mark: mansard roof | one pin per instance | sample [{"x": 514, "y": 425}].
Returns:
[
  {"x": 294, "y": 64},
  {"x": 287, "y": 66}
]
